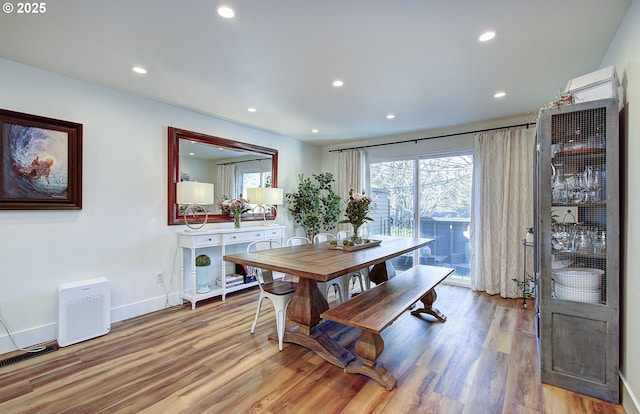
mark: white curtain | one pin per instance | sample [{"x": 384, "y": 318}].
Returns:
[
  {"x": 226, "y": 181},
  {"x": 349, "y": 173},
  {"x": 502, "y": 200}
]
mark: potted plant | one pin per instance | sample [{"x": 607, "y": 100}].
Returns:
[
  {"x": 315, "y": 207},
  {"x": 203, "y": 273}
]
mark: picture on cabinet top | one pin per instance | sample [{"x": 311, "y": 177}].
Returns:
[{"x": 41, "y": 165}]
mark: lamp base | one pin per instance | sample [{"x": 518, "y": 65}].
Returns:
[
  {"x": 275, "y": 218},
  {"x": 195, "y": 208}
]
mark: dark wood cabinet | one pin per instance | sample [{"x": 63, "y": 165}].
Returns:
[{"x": 577, "y": 247}]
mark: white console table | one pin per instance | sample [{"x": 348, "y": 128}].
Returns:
[{"x": 215, "y": 243}]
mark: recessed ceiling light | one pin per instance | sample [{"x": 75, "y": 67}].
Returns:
[
  {"x": 225, "y": 11},
  {"x": 252, "y": 109},
  {"x": 139, "y": 69},
  {"x": 390, "y": 116},
  {"x": 314, "y": 131},
  {"x": 338, "y": 83},
  {"x": 500, "y": 94},
  {"x": 486, "y": 36},
  {"x": 192, "y": 154}
]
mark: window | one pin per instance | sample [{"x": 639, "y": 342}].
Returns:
[
  {"x": 440, "y": 205},
  {"x": 253, "y": 180}
]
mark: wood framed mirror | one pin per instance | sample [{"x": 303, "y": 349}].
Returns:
[{"x": 205, "y": 155}]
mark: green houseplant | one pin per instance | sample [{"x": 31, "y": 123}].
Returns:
[
  {"x": 314, "y": 207},
  {"x": 203, "y": 273}
]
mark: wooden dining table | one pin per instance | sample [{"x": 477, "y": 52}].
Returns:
[{"x": 313, "y": 263}]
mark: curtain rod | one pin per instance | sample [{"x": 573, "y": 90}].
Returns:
[
  {"x": 415, "y": 140},
  {"x": 238, "y": 162}
]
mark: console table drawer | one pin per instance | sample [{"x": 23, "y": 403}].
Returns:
[
  {"x": 249, "y": 236},
  {"x": 274, "y": 233},
  {"x": 206, "y": 240}
]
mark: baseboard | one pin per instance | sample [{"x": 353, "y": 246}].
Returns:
[
  {"x": 141, "y": 308},
  {"x": 28, "y": 337},
  {"x": 630, "y": 403},
  {"x": 47, "y": 333}
]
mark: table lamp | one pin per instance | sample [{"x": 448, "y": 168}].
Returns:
[
  {"x": 266, "y": 196},
  {"x": 193, "y": 195}
]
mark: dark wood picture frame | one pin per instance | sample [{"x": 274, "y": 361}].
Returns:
[{"x": 40, "y": 163}]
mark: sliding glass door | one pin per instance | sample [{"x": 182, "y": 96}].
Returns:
[
  {"x": 392, "y": 187},
  {"x": 445, "y": 210},
  {"x": 437, "y": 207}
]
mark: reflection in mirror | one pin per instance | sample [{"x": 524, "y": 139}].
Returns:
[{"x": 231, "y": 166}]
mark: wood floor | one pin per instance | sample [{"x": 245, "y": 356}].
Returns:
[{"x": 483, "y": 359}]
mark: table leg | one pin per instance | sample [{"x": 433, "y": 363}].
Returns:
[
  {"x": 306, "y": 305},
  {"x": 427, "y": 301},
  {"x": 304, "y": 309},
  {"x": 379, "y": 273}
]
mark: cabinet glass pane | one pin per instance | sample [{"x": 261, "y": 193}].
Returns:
[{"x": 578, "y": 197}]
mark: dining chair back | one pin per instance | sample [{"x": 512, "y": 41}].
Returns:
[
  {"x": 323, "y": 237},
  {"x": 277, "y": 291},
  {"x": 297, "y": 241}
]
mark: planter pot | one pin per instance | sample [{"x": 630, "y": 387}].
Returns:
[{"x": 203, "y": 279}]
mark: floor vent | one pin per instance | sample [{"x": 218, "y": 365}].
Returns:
[
  {"x": 22, "y": 357},
  {"x": 84, "y": 310}
]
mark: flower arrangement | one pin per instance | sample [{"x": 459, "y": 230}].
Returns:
[
  {"x": 357, "y": 210},
  {"x": 235, "y": 206}
]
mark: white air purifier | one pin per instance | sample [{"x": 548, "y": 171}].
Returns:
[{"x": 84, "y": 310}]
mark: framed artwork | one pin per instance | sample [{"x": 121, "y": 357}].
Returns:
[{"x": 41, "y": 163}]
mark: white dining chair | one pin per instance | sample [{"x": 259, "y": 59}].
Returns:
[
  {"x": 361, "y": 276},
  {"x": 279, "y": 292},
  {"x": 297, "y": 241},
  {"x": 323, "y": 237},
  {"x": 341, "y": 283}
]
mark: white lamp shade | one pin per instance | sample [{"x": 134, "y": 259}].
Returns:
[
  {"x": 265, "y": 195},
  {"x": 193, "y": 192}
]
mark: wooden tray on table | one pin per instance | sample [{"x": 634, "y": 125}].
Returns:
[{"x": 372, "y": 243}]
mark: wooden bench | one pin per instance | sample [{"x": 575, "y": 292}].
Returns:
[{"x": 375, "y": 309}]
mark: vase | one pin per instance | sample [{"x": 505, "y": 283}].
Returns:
[
  {"x": 203, "y": 279},
  {"x": 236, "y": 221},
  {"x": 355, "y": 238}
]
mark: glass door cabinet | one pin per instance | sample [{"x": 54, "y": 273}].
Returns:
[{"x": 577, "y": 248}]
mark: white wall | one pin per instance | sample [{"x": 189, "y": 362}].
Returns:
[
  {"x": 624, "y": 53},
  {"x": 121, "y": 231}
]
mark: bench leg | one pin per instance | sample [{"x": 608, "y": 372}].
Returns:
[
  {"x": 427, "y": 301},
  {"x": 369, "y": 347}
]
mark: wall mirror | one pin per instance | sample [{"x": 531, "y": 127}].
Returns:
[{"x": 231, "y": 166}]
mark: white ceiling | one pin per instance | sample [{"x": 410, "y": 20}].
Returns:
[{"x": 418, "y": 59}]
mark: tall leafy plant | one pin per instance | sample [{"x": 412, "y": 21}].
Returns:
[{"x": 315, "y": 207}]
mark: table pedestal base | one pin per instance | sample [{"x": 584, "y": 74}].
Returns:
[{"x": 321, "y": 344}]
